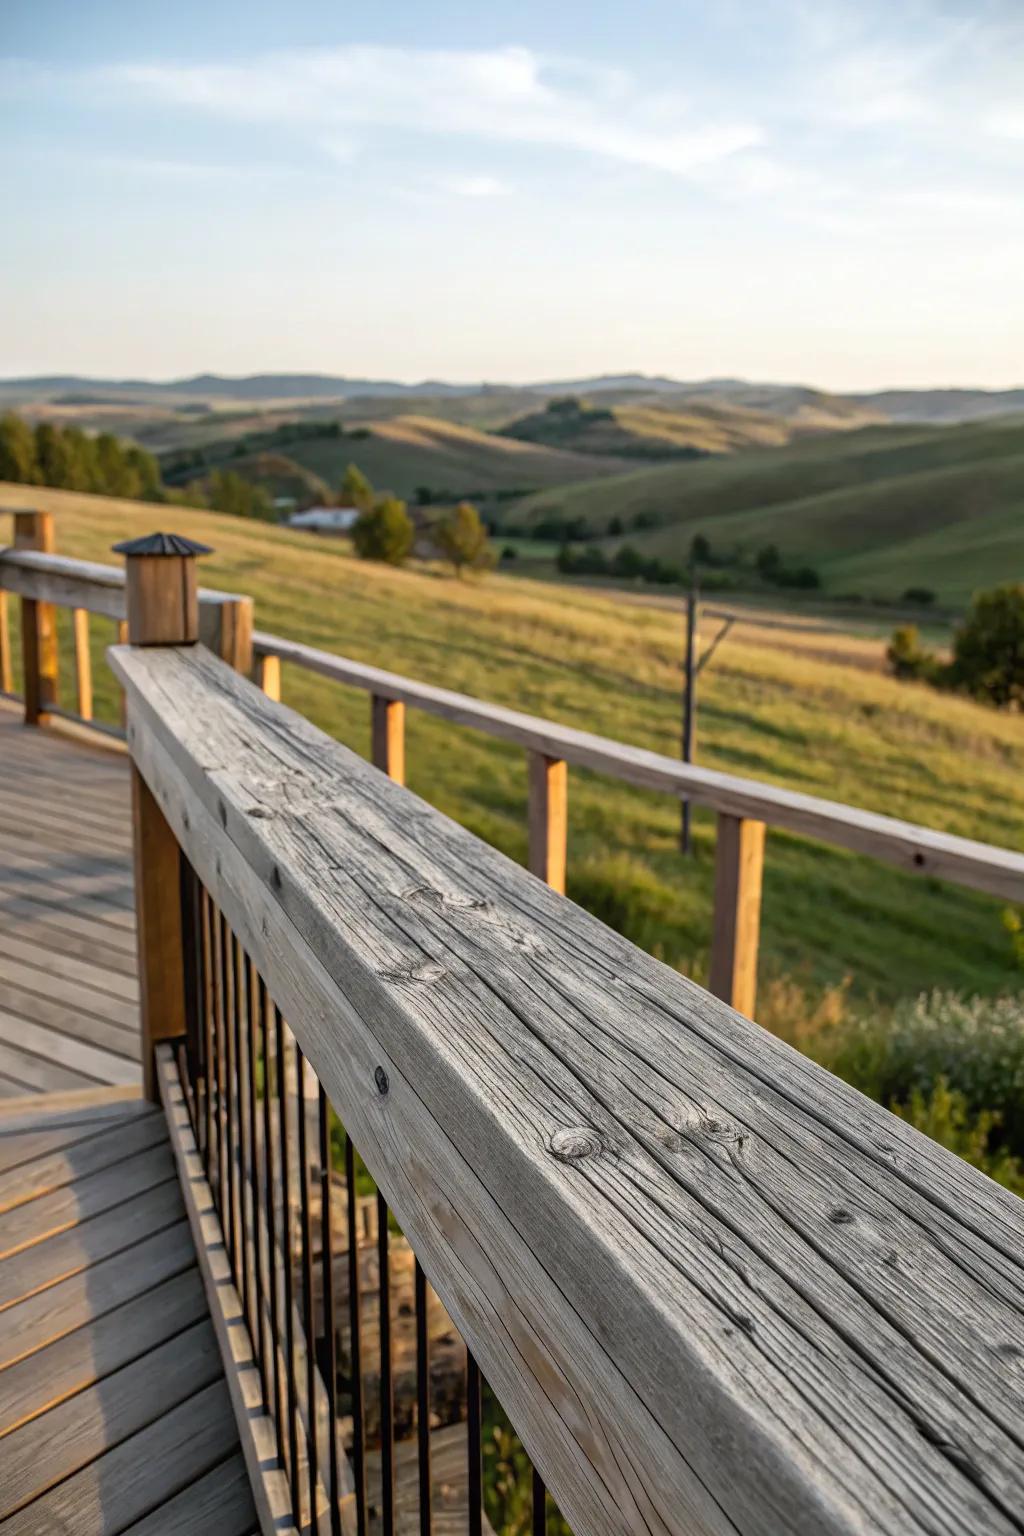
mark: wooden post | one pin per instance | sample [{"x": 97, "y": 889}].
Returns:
[
  {"x": 83, "y": 662},
  {"x": 268, "y": 676},
  {"x": 162, "y": 607},
  {"x": 34, "y": 530},
  {"x": 122, "y": 639},
  {"x": 225, "y": 628},
  {"x": 739, "y": 861},
  {"x": 548, "y": 792},
  {"x": 388, "y": 736},
  {"x": 6, "y": 672}
]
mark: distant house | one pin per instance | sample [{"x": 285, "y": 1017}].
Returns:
[{"x": 325, "y": 519}]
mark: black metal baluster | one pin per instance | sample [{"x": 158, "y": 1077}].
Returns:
[
  {"x": 242, "y": 1178},
  {"x": 539, "y": 1525},
  {"x": 330, "y": 1355},
  {"x": 203, "y": 1067},
  {"x": 218, "y": 1025},
  {"x": 286, "y": 1251},
  {"x": 307, "y": 1280},
  {"x": 387, "y": 1402},
  {"x": 423, "y": 1397},
  {"x": 355, "y": 1321},
  {"x": 473, "y": 1437},
  {"x": 254, "y": 1196},
  {"x": 188, "y": 1065},
  {"x": 268, "y": 1155},
  {"x": 208, "y": 1018},
  {"x": 228, "y": 995}
]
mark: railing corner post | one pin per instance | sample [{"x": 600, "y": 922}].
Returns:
[
  {"x": 161, "y": 596},
  {"x": 35, "y": 530},
  {"x": 387, "y": 730}
]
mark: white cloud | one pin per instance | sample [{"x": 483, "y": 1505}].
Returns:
[
  {"x": 509, "y": 95},
  {"x": 473, "y": 186}
]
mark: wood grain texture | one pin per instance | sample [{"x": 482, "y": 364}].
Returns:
[
  {"x": 982, "y": 866},
  {"x": 548, "y": 789},
  {"x": 736, "y": 925},
  {"x": 159, "y": 924},
  {"x": 161, "y": 599},
  {"x": 141, "y": 1473},
  {"x": 715, "y": 1288}
]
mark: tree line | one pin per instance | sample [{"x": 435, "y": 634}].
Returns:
[
  {"x": 71, "y": 460},
  {"x": 988, "y": 651}
]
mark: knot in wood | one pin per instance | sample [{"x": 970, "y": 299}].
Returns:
[
  {"x": 573, "y": 1142},
  {"x": 418, "y": 970}
]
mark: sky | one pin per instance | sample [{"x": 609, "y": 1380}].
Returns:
[{"x": 819, "y": 191}]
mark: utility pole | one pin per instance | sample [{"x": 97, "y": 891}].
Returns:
[{"x": 689, "y": 698}]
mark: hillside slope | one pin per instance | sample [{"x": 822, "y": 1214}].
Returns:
[
  {"x": 788, "y": 716},
  {"x": 409, "y": 451},
  {"x": 873, "y": 510}
]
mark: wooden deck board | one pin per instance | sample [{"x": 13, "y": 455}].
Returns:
[
  {"x": 68, "y": 987},
  {"x": 114, "y": 1414}
]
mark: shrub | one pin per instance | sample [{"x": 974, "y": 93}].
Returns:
[
  {"x": 906, "y": 655},
  {"x": 384, "y": 532},
  {"x": 356, "y": 490},
  {"x": 973, "y": 1045},
  {"x": 461, "y": 538},
  {"x": 922, "y": 596},
  {"x": 700, "y": 550},
  {"x": 944, "y": 1115},
  {"x": 988, "y": 649}
]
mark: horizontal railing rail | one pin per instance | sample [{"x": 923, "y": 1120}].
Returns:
[
  {"x": 715, "y": 1289},
  {"x": 745, "y": 807},
  {"x": 46, "y": 581},
  {"x": 982, "y": 866}
]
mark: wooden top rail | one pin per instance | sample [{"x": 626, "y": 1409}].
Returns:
[
  {"x": 717, "y": 1290},
  {"x": 76, "y": 583},
  {"x": 982, "y": 866}
]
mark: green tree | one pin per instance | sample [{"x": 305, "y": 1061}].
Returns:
[
  {"x": 462, "y": 539},
  {"x": 80, "y": 452},
  {"x": 17, "y": 451},
  {"x": 906, "y": 656},
  {"x": 988, "y": 649},
  {"x": 384, "y": 532},
  {"x": 356, "y": 490},
  {"x": 145, "y": 472},
  {"x": 700, "y": 549},
  {"x": 54, "y": 459}
]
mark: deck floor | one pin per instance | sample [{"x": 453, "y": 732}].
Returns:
[
  {"x": 68, "y": 986},
  {"x": 114, "y": 1412}
]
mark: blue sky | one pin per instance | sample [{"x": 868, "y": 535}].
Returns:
[{"x": 784, "y": 189}]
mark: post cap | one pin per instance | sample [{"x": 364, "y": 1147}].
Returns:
[{"x": 161, "y": 544}]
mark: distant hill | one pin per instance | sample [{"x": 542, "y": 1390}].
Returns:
[
  {"x": 874, "y": 511},
  {"x": 676, "y": 426},
  {"x": 939, "y": 405}
]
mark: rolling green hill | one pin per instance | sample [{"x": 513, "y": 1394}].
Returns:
[
  {"x": 874, "y": 511},
  {"x": 411, "y": 451},
  {"x": 668, "y": 427},
  {"x": 809, "y": 710}
]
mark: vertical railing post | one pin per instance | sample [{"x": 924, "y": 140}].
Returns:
[
  {"x": 225, "y": 628},
  {"x": 388, "y": 736},
  {"x": 6, "y": 671},
  {"x": 162, "y": 606},
  {"x": 739, "y": 861},
  {"x": 34, "y": 530},
  {"x": 83, "y": 662},
  {"x": 268, "y": 676},
  {"x": 548, "y": 794}
]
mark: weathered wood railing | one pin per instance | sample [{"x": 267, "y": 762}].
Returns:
[
  {"x": 45, "y": 581},
  {"x": 745, "y": 807},
  {"x": 716, "y": 1290}
]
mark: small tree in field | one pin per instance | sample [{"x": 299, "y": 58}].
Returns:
[
  {"x": 356, "y": 490},
  {"x": 384, "y": 532},
  {"x": 988, "y": 650},
  {"x": 462, "y": 539},
  {"x": 907, "y": 657}
]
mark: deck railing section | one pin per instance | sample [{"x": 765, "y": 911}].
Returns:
[
  {"x": 745, "y": 808},
  {"x": 718, "y": 1292}
]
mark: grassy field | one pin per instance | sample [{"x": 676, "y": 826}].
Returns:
[
  {"x": 804, "y": 706},
  {"x": 873, "y": 511}
]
